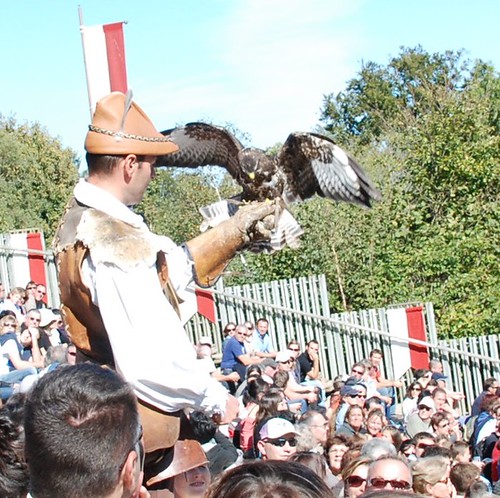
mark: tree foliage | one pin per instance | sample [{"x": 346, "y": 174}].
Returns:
[{"x": 37, "y": 176}]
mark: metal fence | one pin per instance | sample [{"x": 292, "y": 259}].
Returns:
[{"x": 298, "y": 309}]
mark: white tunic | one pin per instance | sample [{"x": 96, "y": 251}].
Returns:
[{"x": 150, "y": 346}]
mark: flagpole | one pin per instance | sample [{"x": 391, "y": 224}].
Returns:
[{"x": 80, "y": 18}]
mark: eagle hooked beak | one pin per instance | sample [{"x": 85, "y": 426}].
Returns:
[{"x": 251, "y": 176}]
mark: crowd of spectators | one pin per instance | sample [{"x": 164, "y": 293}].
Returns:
[{"x": 296, "y": 434}]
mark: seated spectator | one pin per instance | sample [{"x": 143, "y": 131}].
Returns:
[
  {"x": 385, "y": 387},
  {"x": 407, "y": 450},
  {"x": 15, "y": 304},
  {"x": 490, "y": 386},
  {"x": 256, "y": 389},
  {"x": 440, "y": 425},
  {"x": 313, "y": 430},
  {"x": 422, "y": 441},
  {"x": 354, "y": 476},
  {"x": 220, "y": 452},
  {"x": 309, "y": 369},
  {"x": 32, "y": 319},
  {"x": 83, "y": 435},
  {"x": 50, "y": 331},
  {"x": 484, "y": 424},
  {"x": 353, "y": 422},
  {"x": 353, "y": 393},
  {"x": 270, "y": 478},
  {"x": 277, "y": 439},
  {"x": 294, "y": 392},
  {"x": 13, "y": 369},
  {"x": 294, "y": 348},
  {"x": 234, "y": 356},
  {"x": 30, "y": 351},
  {"x": 188, "y": 475},
  {"x": 204, "y": 355},
  {"x": 375, "y": 423},
  {"x": 409, "y": 404},
  {"x": 228, "y": 332},
  {"x": 393, "y": 435},
  {"x": 262, "y": 344},
  {"x": 431, "y": 477},
  {"x": 460, "y": 452},
  {"x": 30, "y": 301},
  {"x": 441, "y": 402},
  {"x": 389, "y": 474},
  {"x": 336, "y": 447},
  {"x": 420, "y": 421}
]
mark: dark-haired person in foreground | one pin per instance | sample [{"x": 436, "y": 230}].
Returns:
[{"x": 83, "y": 435}]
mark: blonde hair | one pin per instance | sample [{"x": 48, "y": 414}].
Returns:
[{"x": 429, "y": 470}]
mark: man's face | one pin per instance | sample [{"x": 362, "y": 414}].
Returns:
[
  {"x": 40, "y": 292},
  {"x": 319, "y": 428},
  {"x": 286, "y": 366},
  {"x": 357, "y": 372},
  {"x": 240, "y": 334},
  {"x": 33, "y": 319},
  {"x": 424, "y": 412},
  {"x": 493, "y": 388},
  {"x": 389, "y": 475},
  {"x": 421, "y": 445},
  {"x": 439, "y": 400},
  {"x": 312, "y": 350},
  {"x": 376, "y": 359},
  {"x": 357, "y": 399},
  {"x": 437, "y": 367},
  {"x": 294, "y": 349},
  {"x": 278, "y": 449},
  {"x": 262, "y": 327}
]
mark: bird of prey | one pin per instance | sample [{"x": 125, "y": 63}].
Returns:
[{"x": 307, "y": 164}]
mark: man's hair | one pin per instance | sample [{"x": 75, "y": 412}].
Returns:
[
  {"x": 376, "y": 351},
  {"x": 261, "y": 320},
  {"x": 81, "y": 423},
  {"x": 434, "y": 363},
  {"x": 489, "y": 382},
  {"x": 270, "y": 478},
  {"x": 203, "y": 426},
  {"x": 423, "y": 435},
  {"x": 313, "y": 341},
  {"x": 459, "y": 448},
  {"x": 100, "y": 163}
]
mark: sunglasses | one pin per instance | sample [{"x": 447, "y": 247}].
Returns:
[
  {"x": 281, "y": 441},
  {"x": 357, "y": 372},
  {"x": 357, "y": 396},
  {"x": 30, "y": 288},
  {"x": 9, "y": 325},
  {"x": 287, "y": 361},
  {"x": 380, "y": 483},
  {"x": 424, "y": 407},
  {"x": 294, "y": 349},
  {"x": 355, "y": 481},
  {"x": 416, "y": 388}
]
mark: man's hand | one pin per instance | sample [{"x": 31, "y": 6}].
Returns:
[
  {"x": 256, "y": 221},
  {"x": 233, "y": 377},
  {"x": 34, "y": 332}
]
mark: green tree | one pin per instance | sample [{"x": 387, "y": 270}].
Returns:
[{"x": 37, "y": 176}]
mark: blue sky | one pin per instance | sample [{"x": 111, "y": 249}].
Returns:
[{"x": 262, "y": 65}]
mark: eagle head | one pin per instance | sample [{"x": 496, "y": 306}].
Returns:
[{"x": 256, "y": 165}]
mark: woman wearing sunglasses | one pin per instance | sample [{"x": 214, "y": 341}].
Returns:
[{"x": 354, "y": 477}]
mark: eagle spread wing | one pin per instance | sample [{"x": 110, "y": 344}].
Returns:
[
  {"x": 201, "y": 144},
  {"x": 314, "y": 164}
]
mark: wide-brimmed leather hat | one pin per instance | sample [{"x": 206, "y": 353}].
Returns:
[
  {"x": 187, "y": 454},
  {"x": 119, "y": 126}
]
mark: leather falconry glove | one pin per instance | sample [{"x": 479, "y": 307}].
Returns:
[{"x": 214, "y": 249}]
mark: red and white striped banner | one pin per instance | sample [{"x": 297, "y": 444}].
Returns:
[
  {"x": 105, "y": 63},
  {"x": 407, "y": 323}
]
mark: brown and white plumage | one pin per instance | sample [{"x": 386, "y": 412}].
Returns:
[{"x": 307, "y": 164}]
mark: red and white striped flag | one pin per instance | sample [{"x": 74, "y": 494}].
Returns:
[{"x": 105, "y": 64}]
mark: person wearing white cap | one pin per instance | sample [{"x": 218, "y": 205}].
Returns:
[
  {"x": 420, "y": 421},
  {"x": 277, "y": 439}
]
